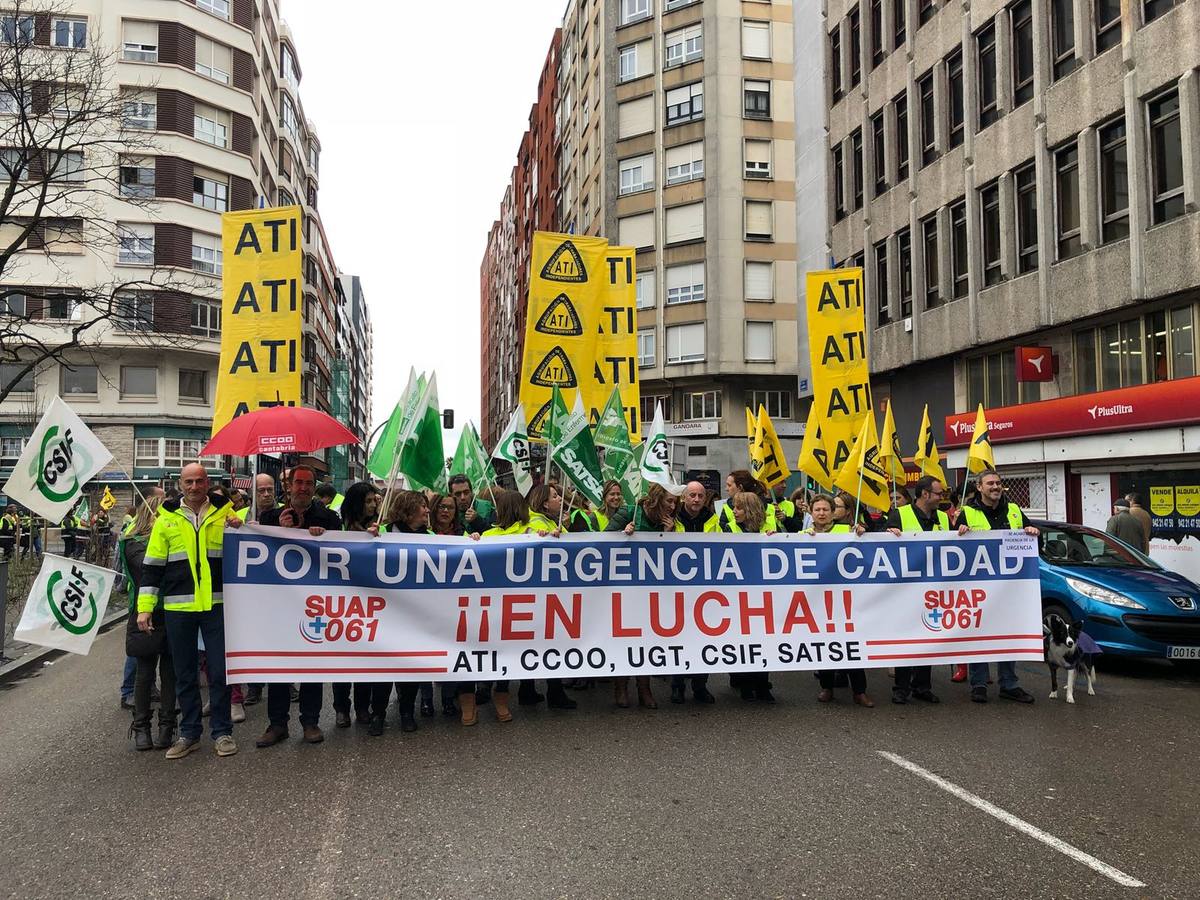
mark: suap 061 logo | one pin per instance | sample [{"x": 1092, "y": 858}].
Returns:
[
  {"x": 954, "y": 609},
  {"x": 330, "y": 618}
]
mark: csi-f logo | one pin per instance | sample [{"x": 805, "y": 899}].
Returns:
[
  {"x": 516, "y": 449},
  {"x": 337, "y": 618},
  {"x": 657, "y": 456},
  {"x": 72, "y": 601},
  {"x": 54, "y": 467},
  {"x": 955, "y": 608}
]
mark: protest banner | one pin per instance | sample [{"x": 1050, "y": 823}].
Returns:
[
  {"x": 260, "y": 312},
  {"x": 581, "y": 328},
  {"x": 838, "y": 349},
  {"x": 349, "y": 607},
  {"x": 66, "y": 604}
]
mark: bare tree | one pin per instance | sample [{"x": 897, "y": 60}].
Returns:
[{"x": 69, "y": 146}]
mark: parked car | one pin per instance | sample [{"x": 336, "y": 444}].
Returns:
[{"x": 1131, "y": 605}]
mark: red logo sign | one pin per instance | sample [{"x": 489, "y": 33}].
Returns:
[{"x": 1035, "y": 364}]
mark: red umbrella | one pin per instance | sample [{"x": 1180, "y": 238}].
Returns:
[{"x": 279, "y": 429}]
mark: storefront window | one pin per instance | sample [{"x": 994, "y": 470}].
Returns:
[
  {"x": 1131, "y": 353},
  {"x": 1156, "y": 347},
  {"x": 974, "y": 382},
  {"x": 1183, "y": 343},
  {"x": 1085, "y": 362}
]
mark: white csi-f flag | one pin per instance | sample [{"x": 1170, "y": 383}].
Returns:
[
  {"x": 514, "y": 449},
  {"x": 66, "y": 604},
  {"x": 60, "y": 458},
  {"x": 656, "y": 458}
]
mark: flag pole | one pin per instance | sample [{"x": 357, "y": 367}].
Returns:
[{"x": 858, "y": 500}]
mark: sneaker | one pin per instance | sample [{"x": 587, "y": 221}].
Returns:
[
  {"x": 237, "y": 713},
  {"x": 427, "y": 710},
  {"x": 375, "y": 729},
  {"x": 183, "y": 747},
  {"x": 927, "y": 696},
  {"x": 899, "y": 697},
  {"x": 979, "y": 694},
  {"x": 253, "y": 695},
  {"x": 959, "y": 674},
  {"x": 226, "y": 745},
  {"x": 341, "y": 719},
  {"x": 1019, "y": 694}
]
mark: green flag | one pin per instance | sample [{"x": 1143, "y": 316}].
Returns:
[
  {"x": 612, "y": 436},
  {"x": 470, "y": 459},
  {"x": 383, "y": 454},
  {"x": 514, "y": 449},
  {"x": 422, "y": 456},
  {"x": 572, "y": 448}
]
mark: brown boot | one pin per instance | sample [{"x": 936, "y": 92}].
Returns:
[
  {"x": 645, "y": 697},
  {"x": 621, "y": 692},
  {"x": 272, "y": 736},
  {"x": 500, "y": 698},
  {"x": 466, "y": 702}
]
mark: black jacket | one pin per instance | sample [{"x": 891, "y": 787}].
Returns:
[{"x": 316, "y": 515}]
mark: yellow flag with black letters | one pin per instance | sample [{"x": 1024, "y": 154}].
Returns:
[
  {"x": 814, "y": 458},
  {"x": 863, "y": 476},
  {"x": 768, "y": 463}
]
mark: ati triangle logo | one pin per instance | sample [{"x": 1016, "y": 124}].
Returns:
[
  {"x": 560, "y": 318},
  {"x": 565, "y": 265},
  {"x": 537, "y": 425},
  {"x": 554, "y": 369}
]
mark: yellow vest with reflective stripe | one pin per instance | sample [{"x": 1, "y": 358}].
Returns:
[
  {"x": 977, "y": 521},
  {"x": 515, "y": 528},
  {"x": 541, "y": 522},
  {"x": 909, "y": 521}
]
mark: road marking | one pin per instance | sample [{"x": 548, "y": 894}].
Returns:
[{"x": 1013, "y": 822}]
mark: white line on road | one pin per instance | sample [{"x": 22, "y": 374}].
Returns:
[{"x": 1013, "y": 822}]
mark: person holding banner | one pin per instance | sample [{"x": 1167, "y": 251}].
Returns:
[
  {"x": 443, "y": 516},
  {"x": 739, "y": 481},
  {"x": 824, "y": 512},
  {"x": 181, "y": 568},
  {"x": 989, "y": 509},
  {"x": 473, "y": 515},
  {"x": 749, "y": 515},
  {"x": 614, "y": 500},
  {"x": 695, "y": 514}
]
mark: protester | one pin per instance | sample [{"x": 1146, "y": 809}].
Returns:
[
  {"x": 614, "y": 499},
  {"x": 181, "y": 568},
  {"x": 325, "y": 494},
  {"x": 990, "y": 509},
  {"x": 545, "y": 508},
  {"x": 799, "y": 520},
  {"x": 409, "y": 514},
  {"x": 823, "y": 510},
  {"x": 1137, "y": 509},
  {"x": 8, "y": 532},
  {"x": 1124, "y": 526},
  {"x": 695, "y": 512},
  {"x": 473, "y": 515},
  {"x": 129, "y": 673},
  {"x": 749, "y": 517},
  {"x": 302, "y": 511},
  {"x": 922, "y": 514},
  {"x": 443, "y": 516},
  {"x": 264, "y": 493}
]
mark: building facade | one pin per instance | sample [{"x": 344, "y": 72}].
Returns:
[
  {"x": 353, "y": 370},
  {"x": 212, "y": 88}
]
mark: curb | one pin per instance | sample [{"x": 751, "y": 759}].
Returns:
[{"x": 17, "y": 667}]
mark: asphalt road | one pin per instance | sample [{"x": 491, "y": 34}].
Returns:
[{"x": 732, "y": 800}]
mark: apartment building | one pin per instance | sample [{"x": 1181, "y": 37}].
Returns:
[
  {"x": 353, "y": 368},
  {"x": 1019, "y": 181},
  {"x": 214, "y": 86}
]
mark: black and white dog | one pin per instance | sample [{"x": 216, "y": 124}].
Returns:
[{"x": 1068, "y": 647}]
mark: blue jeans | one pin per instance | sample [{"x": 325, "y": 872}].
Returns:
[
  {"x": 1005, "y": 671},
  {"x": 127, "y": 678},
  {"x": 182, "y": 631}
]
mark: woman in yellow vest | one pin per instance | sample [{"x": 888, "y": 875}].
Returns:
[
  {"x": 749, "y": 517},
  {"x": 823, "y": 508}
]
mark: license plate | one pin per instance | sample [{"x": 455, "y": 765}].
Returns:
[{"x": 1183, "y": 653}]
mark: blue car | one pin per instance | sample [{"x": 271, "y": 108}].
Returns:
[{"x": 1130, "y": 604}]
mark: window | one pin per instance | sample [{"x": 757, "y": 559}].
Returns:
[
  {"x": 651, "y": 403},
  {"x": 758, "y": 159},
  {"x": 684, "y": 45},
  {"x": 23, "y": 384},
  {"x": 636, "y": 231},
  {"x": 139, "y": 381},
  {"x": 637, "y": 174},
  {"x": 210, "y": 191},
  {"x": 954, "y": 106},
  {"x": 1166, "y": 157},
  {"x": 685, "y": 104},
  {"x": 206, "y": 253},
  {"x": 877, "y": 45},
  {"x": 685, "y": 343},
  {"x": 635, "y": 10},
  {"x": 16, "y": 29},
  {"x": 878, "y": 159},
  {"x": 206, "y": 317},
  {"x": 137, "y": 176},
  {"x": 778, "y": 404},
  {"x": 140, "y": 110},
  {"x": 835, "y": 62},
  {"x": 904, "y": 261},
  {"x": 66, "y": 100},
  {"x": 685, "y": 162},
  {"x": 69, "y": 33},
  {"x": 855, "y": 48},
  {"x": 1021, "y": 16},
  {"x": 928, "y": 120},
  {"x": 756, "y": 40},
  {"x": 926, "y": 10},
  {"x": 685, "y": 223},
  {"x": 1066, "y": 200},
  {"x": 65, "y": 166},
  {"x": 899, "y": 22},
  {"x": 992, "y": 381},
  {"x": 291, "y": 124},
  {"x": 929, "y": 242},
  {"x": 989, "y": 210},
  {"x": 881, "y": 283},
  {"x": 211, "y": 125},
  {"x": 13, "y": 99},
  {"x": 635, "y": 117},
  {"x": 701, "y": 405},
  {"x": 135, "y": 244},
  {"x": 759, "y": 280},
  {"x": 1025, "y": 179},
  {"x": 134, "y": 311},
  {"x": 213, "y": 60},
  {"x": 757, "y": 99},
  {"x": 627, "y": 69},
  {"x": 63, "y": 235},
  {"x": 647, "y": 293},
  {"x": 985, "y": 50},
  {"x": 1062, "y": 37},
  {"x": 1107, "y": 14},
  {"x": 1121, "y": 354},
  {"x": 140, "y": 41},
  {"x": 901, "y": 107},
  {"x": 193, "y": 385},
  {"x": 760, "y": 342},
  {"x": 645, "y": 347},
  {"x": 1183, "y": 343},
  {"x": 1152, "y": 9},
  {"x": 856, "y": 166},
  {"x": 1114, "y": 182},
  {"x": 216, "y": 7},
  {"x": 958, "y": 249},
  {"x": 839, "y": 184},
  {"x": 760, "y": 224},
  {"x": 672, "y": 4},
  {"x": 685, "y": 283},
  {"x": 80, "y": 380},
  {"x": 12, "y": 303},
  {"x": 1086, "y": 380}
]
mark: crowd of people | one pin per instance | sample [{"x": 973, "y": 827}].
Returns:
[{"x": 171, "y": 551}]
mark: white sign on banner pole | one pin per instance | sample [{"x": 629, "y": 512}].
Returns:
[{"x": 66, "y": 604}]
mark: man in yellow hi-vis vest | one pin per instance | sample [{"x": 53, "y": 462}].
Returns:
[{"x": 990, "y": 509}]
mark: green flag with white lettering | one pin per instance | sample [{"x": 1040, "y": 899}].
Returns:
[
  {"x": 572, "y": 448},
  {"x": 612, "y": 436}
]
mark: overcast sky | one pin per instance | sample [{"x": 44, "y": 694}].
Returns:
[{"x": 420, "y": 108}]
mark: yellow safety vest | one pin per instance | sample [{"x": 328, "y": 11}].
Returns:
[
  {"x": 541, "y": 522},
  {"x": 909, "y": 521},
  {"x": 977, "y": 521},
  {"x": 515, "y": 528}
]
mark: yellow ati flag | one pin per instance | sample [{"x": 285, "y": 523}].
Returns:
[
  {"x": 863, "y": 476},
  {"x": 979, "y": 454},
  {"x": 107, "y": 500},
  {"x": 767, "y": 461}
]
